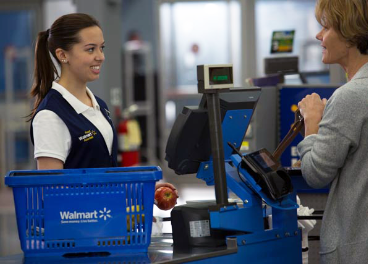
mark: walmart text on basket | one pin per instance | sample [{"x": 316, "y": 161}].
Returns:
[{"x": 84, "y": 217}]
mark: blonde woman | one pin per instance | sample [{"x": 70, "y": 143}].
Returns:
[{"x": 335, "y": 148}]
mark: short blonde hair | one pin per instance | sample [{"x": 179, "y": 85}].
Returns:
[{"x": 348, "y": 17}]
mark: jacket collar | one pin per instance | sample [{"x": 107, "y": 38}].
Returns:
[{"x": 361, "y": 73}]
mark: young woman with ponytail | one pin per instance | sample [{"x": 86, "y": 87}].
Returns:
[{"x": 70, "y": 127}]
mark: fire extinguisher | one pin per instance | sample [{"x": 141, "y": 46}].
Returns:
[{"x": 129, "y": 140}]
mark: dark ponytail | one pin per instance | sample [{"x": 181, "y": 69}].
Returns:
[
  {"x": 44, "y": 70},
  {"x": 62, "y": 34}
]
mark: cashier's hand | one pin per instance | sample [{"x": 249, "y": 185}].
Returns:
[
  {"x": 165, "y": 184},
  {"x": 311, "y": 108},
  {"x": 172, "y": 187}
]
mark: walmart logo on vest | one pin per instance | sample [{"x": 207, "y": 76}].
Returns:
[{"x": 88, "y": 135}]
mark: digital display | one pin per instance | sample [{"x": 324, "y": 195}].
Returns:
[
  {"x": 282, "y": 41},
  {"x": 264, "y": 161},
  {"x": 220, "y": 75}
]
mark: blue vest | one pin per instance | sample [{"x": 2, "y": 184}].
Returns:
[{"x": 88, "y": 147}]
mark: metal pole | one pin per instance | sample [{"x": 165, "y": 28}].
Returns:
[{"x": 214, "y": 114}]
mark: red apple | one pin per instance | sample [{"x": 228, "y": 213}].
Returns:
[{"x": 165, "y": 198}]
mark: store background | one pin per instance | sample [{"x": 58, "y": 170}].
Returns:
[{"x": 176, "y": 36}]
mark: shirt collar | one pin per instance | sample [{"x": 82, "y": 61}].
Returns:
[
  {"x": 361, "y": 73},
  {"x": 78, "y": 106}
]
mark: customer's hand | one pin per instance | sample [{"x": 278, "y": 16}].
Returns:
[{"x": 311, "y": 108}]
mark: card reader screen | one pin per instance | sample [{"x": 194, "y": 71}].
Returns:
[
  {"x": 264, "y": 160},
  {"x": 220, "y": 75}
]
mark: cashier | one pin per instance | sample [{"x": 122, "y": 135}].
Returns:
[
  {"x": 70, "y": 126},
  {"x": 335, "y": 148}
]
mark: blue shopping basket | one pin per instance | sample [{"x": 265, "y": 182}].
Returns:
[{"x": 84, "y": 210}]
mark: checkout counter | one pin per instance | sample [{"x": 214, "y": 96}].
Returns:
[{"x": 260, "y": 228}]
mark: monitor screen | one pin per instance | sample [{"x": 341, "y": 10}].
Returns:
[
  {"x": 189, "y": 142},
  {"x": 282, "y": 65},
  {"x": 320, "y": 77},
  {"x": 282, "y": 41},
  {"x": 221, "y": 75},
  {"x": 264, "y": 160}
]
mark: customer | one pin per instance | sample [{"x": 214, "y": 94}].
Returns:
[
  {"x": 70, "y": 127},
  {"x": 335, "y": 149}
]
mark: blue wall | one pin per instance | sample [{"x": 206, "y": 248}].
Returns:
[{"x": 16, "y": 30}]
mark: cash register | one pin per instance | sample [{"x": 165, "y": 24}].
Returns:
[{"x": 206, "y": 140}]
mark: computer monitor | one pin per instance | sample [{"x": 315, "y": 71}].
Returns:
[
  {"x": 282, "y": 41},
  {"x": 281, "y": 65},
  {"x": 318, "y": 77},
  {"x": 189, "y": 142}
]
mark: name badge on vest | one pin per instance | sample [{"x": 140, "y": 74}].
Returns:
[{"x": 88, "y": 135}]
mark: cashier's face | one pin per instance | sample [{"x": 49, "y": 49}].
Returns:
[
  {"x": 86, "y": 57},
  {"x": 334, "y": 47}
]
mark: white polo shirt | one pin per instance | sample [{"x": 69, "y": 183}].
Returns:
[{"x": 48, "y": 126}]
